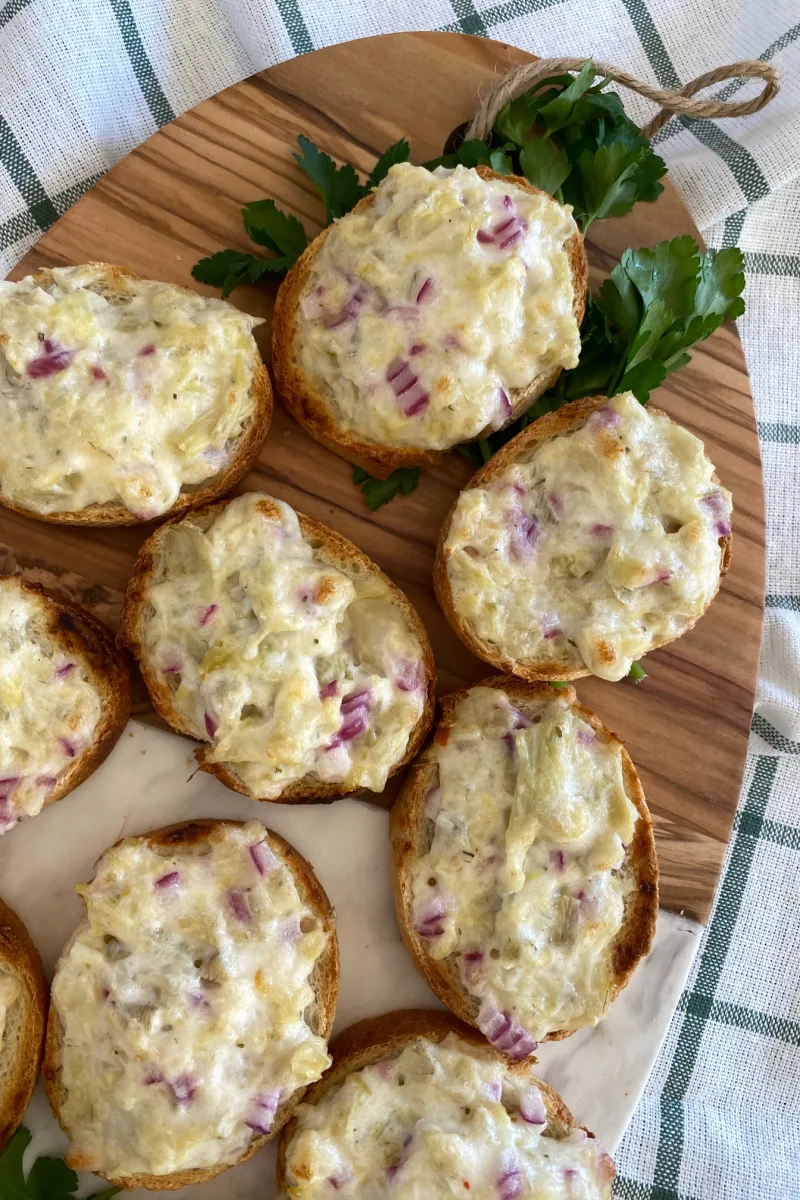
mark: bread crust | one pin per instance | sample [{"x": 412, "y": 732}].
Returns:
[
  {"x": 376, "y": 1038},
  {"x": 307, "y": 404},
  {"x": 85, "y": 638},
  {"x": 245, "y": 453},
  {"x": 20, "y": 958},
  {"x": 567, "y": 419},
  {"x": 336, "y": 551},
  {"x": 409, "y": 841},
  {"x": 191, "y": 837}
]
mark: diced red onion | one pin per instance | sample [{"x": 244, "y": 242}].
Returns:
[
  {"x": 508, "y": 232},
  {"x": 395, "y": 1167},
  {"x": 54, "y": 359},
  {"x": 9, "y": 785},
  {"x": 198, "y": 1001},
  {"x": 184, "y": 1089},
  {"x": 715, "y": 503},
  {"x": 151, "y": 1075},
  {"x": 405, "y": 312},
  {"x": 605, "y": 417},
  {"x": 521, "y": 720},
  {"x": 264, "y": 860},
  {"x": 417, "y": 348},
  {"x": 146, "y": 351},
  {"x": 504, "y": 1032},
  {"x": 62, "y": 672},
  {"x": 504, "y": 409},
  {"x": 472, "y": 961},
  {"x": 208, "y": 613},
  {"x": 329, "y": 690},
  {"x": 406, "y": 387},
  {"x": 532, "y": 1108},
  {"x": 551, "y": 628},
  {"x": 69, "y": 748},
  {"x": 453, "y": 342},
  {"x": 663, "y": 575},
  {"x": 171, "y": 880},
  {"x": 493, "y": 1090},
  {"x": 349, "y": 311},
  {"x": 239, "y": 905},
  {"x": 262, "y": 1111},
  {"x": 509, "y": 1183},
  {"x": 171, "y": 669},
  {"x": 556, "y": 502},
  {"x": 216, "y": 457},
  {"x": 602, "y": 531},
  {"x": 289, "y": 929},
  {"x": 557, "y": 860},
  {"x": 586, "y": 737},
  {"x": 425, "y": 292},
  {"x": 355, "y": 714},
  {"x": 525, "y": 533},
  {"x": 44, "y": 781},
  {"x": 210, "y": 724},
  {"x": 98, "y": 373},
  {"x": 430, "y": 923},
  {"x": 410, "y": 676}
]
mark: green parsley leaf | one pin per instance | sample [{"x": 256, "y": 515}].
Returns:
[
  {"x": 469, "y": 154},
  {"x": 378, "y": 492},
  {"x": 544, "y": 165},
  {"x": 339, "y": 187},
  {"x": 563, "y": 109},
  {"x": 558, "y": 684},
  {"x": 501, "y": 161},
  {"x": 636, "y": 673},
  {"x": 399, "y": 152},
  {"x": 228, "y": 268},
  {"x": 268, "y": 226},
  {"x": 48, "y": 1179}
]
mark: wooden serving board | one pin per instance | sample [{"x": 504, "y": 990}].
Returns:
[{"x": 178, "y": 197}]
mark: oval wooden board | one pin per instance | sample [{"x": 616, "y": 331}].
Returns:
[{"x": 178, "y": 197}]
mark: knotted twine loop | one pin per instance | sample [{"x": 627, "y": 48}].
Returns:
[{"x": 519, "y": 79}]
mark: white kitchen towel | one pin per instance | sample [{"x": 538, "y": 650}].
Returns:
[{"x": 84, "y": 81}]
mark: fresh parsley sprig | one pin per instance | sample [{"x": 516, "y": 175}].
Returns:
[
  {"x": 655, "y": 306},
  {"x": 267, "y": 225},
  {"x": 48, "y": 1178},
  {"x": 570, "y": 137},
  {"x": 378, "y": 492}
]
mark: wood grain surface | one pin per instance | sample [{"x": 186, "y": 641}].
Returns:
[{"x": 178, "y": 197}]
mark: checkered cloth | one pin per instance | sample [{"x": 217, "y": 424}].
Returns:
[{"x": 83, "y": 82}]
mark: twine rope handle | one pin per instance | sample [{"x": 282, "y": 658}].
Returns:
[{"x": 519, "y": 79}]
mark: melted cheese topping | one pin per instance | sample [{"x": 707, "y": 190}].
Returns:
[
  {"x": 10, "y": 992},
  {"x": 184, "y": 1002},
  {"x": 117, "y": 398},
  {"x": 522, "y": 886},
  {"x": 49, "y": 706},
  {"x": 439, "y": 1121},
  {"x": 289, "y": 666},
  {"x": 425, "y": 310},
  {"x": 592, "y": 547}
]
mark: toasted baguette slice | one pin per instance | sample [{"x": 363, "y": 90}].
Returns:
[
  {"x": 187, "y": 840},
  {"x": 412, "y": 833},
  {"x": 24, "y": 1013},
  {"x": 332, "y": 550},
  {"x": 80, "y": 637},
  {"x": 307, "y": 404},
  {"x": 565, "y": 420},
  {"x": 377, "y": 1038},
  {"x": 113, "y": 285}
]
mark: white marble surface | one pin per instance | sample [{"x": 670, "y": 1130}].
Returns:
[{"x": 149, "y": 781}]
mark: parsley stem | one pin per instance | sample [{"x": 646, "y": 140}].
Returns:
[{"x": 485, "y": 449}]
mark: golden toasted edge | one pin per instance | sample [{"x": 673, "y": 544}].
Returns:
[
  {"x": 86, "y": 639},
  {"x": 376, "y": 1038},
  {"x": 242, "y": 458},
  {"x": 191, "y": 836},
  {"x": 338, "y": 551},
  {"x": 307, "y": 404},
  {"x": 407, "y": 828},
  {"x": 20, "y": 958},
  {"x": 567, "y": 419}
]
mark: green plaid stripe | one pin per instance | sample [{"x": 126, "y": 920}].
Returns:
[
  {"x": 10, "y": 10},
  {"x": 779, "y": 431},
  {"x": 295, "y": 26},
  {"x": 157, "y": 102},
  {"x": 772, "y": 736},
  {"x": 790, "y": 602},
  {"x": 24, "y": 178}
]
